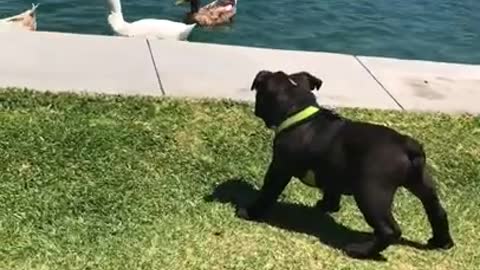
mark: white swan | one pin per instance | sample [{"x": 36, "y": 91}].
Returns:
[
  {"x": 25, "y": 21},
  {"x": 150, "y": 28}
]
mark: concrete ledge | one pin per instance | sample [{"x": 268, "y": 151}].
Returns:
[
  {"x": 69, "y": 62},
  {"x": 429, "y": 86},
  {"x": 134, "y": 66},
  {"x": 221, "y": 71}
]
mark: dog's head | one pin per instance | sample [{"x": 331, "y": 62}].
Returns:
[{"x": 279, "y": 94}]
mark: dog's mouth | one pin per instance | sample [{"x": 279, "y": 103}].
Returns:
[
  {"x": 268, "y": 122},
  {"x": 272, "y": 127}
]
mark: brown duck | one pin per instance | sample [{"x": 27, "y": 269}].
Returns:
[{"x": 217, "y": 12}]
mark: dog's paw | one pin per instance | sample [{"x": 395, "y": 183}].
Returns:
[
  {"x": 242, "y": 213},
  {"x": 440, "y": 243},
  {"x": 326, "y": 207},
  {"x": 359, "y": 251}
]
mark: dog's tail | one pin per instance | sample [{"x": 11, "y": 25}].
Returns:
[{"x": 417, "y": 157}]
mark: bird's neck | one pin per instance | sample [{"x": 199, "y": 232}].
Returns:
[
  {"x": 194, "y": 6},
  {"x": 118, "y": 24},
  {"x": 115, "y": 6}
]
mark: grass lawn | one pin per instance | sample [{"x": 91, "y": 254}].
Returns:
[{"x": 137, "y": 183}]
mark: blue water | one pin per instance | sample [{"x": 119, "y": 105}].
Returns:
[{"x": 438, "y": 30}]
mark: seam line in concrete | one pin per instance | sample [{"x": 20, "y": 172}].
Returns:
[
  {"x": 155, "y": 67},
  {"x": 379, "y": 83}
]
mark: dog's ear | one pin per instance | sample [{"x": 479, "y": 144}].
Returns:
[
  {"x": 259, "y": 78},
  {"x": 315, "y": 83},
  {"x": 306, "y": 79}
]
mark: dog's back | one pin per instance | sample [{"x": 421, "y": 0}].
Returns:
[{"x": 356, "y": 147}]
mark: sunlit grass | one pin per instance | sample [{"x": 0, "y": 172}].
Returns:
[{"x": 124, "y": 183}]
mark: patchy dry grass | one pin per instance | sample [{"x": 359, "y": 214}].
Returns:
[{"x": 137, "y": 183}]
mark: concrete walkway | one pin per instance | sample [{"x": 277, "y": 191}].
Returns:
[{"x": 131, "y": 66}]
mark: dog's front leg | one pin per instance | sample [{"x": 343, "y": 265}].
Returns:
[
  {"x": 330, "y": 203},
  {"x": 276, "y": 179}
]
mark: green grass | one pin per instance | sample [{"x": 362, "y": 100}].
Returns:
[{"x": 135, "y": 183}]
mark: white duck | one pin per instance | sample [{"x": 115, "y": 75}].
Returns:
[
  {"x": 150, "y": 28},
  {"x": 25, "y": 21}
]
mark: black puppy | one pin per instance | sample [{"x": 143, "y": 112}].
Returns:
[{"x": 341, "y": 156}]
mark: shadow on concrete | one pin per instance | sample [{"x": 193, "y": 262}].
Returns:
[{"x": 296, "y": 217}]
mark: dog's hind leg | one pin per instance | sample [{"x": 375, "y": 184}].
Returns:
[
  {"x": 375, "y": 203},
  {"x": 424, "y": 189}
]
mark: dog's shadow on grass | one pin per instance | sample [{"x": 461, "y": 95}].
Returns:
[{"x": 296, "y": 217}]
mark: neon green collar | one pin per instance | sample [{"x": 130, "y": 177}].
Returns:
[{"x": 302, "y": 115}]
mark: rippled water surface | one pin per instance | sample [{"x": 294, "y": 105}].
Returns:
[{"x": 439, "y": 30}]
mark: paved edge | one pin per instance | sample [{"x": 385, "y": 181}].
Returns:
[
  {"x": 428, "y": 86},
  {"x": 159, "y": 84},
  {"x": 65, "y": 62},
  {"x": 339, "y": 92}
]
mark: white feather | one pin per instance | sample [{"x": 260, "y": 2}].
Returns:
[{"x": 151, "y": 28}]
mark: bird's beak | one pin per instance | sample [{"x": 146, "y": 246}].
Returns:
[{"x": 180, "y": 2}]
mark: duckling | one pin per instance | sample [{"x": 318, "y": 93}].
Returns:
[
  {"x": 25, "y": 21},
  {"x": 216, "y": 13}
]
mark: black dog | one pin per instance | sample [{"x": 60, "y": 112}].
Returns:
[{"x": 347, "y": 157}]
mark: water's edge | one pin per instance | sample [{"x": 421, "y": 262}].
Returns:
[{"x": 440, "y": 30}]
